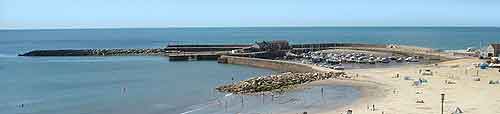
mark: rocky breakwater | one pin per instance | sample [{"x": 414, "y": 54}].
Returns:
[
  {"x": 277, "y": 82},
  {"x": 98, "y": 52}
]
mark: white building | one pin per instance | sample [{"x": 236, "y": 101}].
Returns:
[{"x": 493, "y": 50}]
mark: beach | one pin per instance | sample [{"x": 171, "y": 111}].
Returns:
[{"x": 392, "y": 95}]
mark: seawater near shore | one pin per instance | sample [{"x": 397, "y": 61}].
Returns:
[
  {"x": 302, "y": 98},
  {"x": 309, "y": 98}
]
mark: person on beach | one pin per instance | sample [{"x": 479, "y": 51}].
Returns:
[
  {"x": 322, "y": 92},
  {"x": 124, "y": 90}
]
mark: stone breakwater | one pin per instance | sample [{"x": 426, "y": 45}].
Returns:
[
  {"x": 99, "y": 52},
  {"x": 280, "y": 81}
]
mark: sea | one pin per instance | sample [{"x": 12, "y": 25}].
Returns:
[{"x": 154, "y": 85}]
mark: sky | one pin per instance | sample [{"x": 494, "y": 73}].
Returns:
[{"x": 39, "y": 14}]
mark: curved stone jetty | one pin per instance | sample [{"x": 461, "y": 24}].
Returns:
[
  {"x": 98, "y": 52},
  {"x": 280, "y": 81}
]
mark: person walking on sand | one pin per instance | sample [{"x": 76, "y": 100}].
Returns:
[{"x": 124, "y": 91}]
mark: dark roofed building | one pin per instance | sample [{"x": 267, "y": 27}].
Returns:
[
  {"x": 493, "y": 50},
  {"x": 280, "y": 44},
  {"x": 274, "y": 45}
]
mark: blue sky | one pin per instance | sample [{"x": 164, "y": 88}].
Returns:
[{"x": 35, "y": 14}]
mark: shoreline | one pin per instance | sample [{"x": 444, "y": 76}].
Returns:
[
  {"x": 375, "y": 88},
  {"x": 364, "y": 84},
  {"x": 370, "y": 92}
]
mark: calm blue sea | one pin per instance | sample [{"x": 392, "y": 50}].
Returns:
[{"x": 153, "y": 85}]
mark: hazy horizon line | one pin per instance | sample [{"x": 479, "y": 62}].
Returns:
[{"x": 87, "y": 28}]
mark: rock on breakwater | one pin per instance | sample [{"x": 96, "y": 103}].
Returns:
[
  {"x": 280, "y": 81},
  {"x": 98, "y": 52}
]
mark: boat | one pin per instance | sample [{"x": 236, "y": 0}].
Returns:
[
  {"x": 385, "y": 60},
  {"x": 399, "y": 60},
  {"x": 332, "y": 61},
  {"x": 371, "y": 61},
  {"x": 364, "y": 61},
  {"x": 338, "y": 68}
]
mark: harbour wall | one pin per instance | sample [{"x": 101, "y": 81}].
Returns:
[
  {"x": 201, "y": 49},
  {"x": 427, "y": 53},
  {"x": 193, "y": 56},
  {"x": 98, "y": 52},
  {"x": 207, "y": 47},
  {"x": 278, "y": 65},
  {"x": 329, "y": 45},
  {"x": 172, "y": 49}
]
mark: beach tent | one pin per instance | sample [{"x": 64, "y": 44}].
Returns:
[
  {"x": 458, "y": 111},
  {"x": 427, "y": 72},
  {"x": 420, "y": 82},
  {"x": 476, "y": 78},
  {"x": 407, "y": 78},
  {"x": 483, "y": 65},
  {"x": 494, "y": 82},
  {"x": 417, "y": 83},
  {"x": 494, "y": 66},
  {"x": 423, "y": 81}
]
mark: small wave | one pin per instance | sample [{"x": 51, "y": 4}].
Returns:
[
  {"x": 101, "y": 59},
  {"x": 80, "y": 61},
  {"x": 25, "y": 102},
  {"x": 7, "y": 56},
  {"x": 203, "y": 106},
  {"x": 187, "y": 112},
  {"x": 227, "y": 95},
  {"x": 198, "y": 107}
]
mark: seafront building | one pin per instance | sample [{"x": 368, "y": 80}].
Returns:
[{"x": 493, "y": 50}]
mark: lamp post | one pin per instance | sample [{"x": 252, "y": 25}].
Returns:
[{"x": 442, "y": 103}]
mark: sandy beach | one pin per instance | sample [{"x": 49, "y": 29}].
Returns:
[{"x": 392, "y": 95}]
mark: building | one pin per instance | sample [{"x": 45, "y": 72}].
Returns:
[
  {"x": 274, "y": 45},
  {"x": 493, "y": 50},
  {"x": 280, "y": 45}
]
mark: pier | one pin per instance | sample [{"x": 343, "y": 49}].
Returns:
[
  {"x": 205, "y": 48},
  {"x": 264, "y": 50},
  {"x": 193, "y": 57}
]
